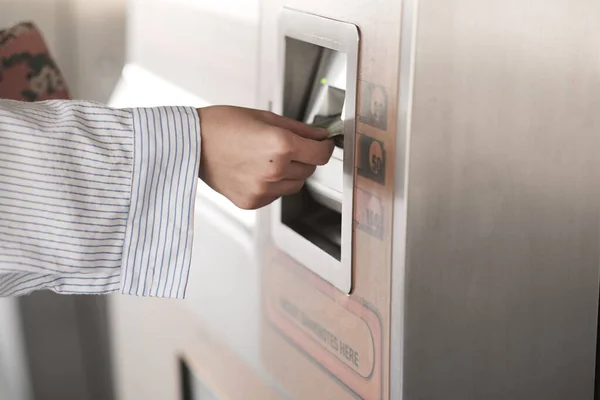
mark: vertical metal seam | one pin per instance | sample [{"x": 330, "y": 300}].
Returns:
[{"x": 400, "y": 210}]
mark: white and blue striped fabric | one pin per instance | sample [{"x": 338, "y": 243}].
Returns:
[{"x": 96, "y": 200}]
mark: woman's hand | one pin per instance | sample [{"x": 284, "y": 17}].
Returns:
[{"x": 253, "y": 157}]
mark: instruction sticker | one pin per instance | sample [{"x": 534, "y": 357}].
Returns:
[{"x": 341, "y": 334}]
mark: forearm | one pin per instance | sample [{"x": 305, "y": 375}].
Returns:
[{"x": 96, "y": 200}]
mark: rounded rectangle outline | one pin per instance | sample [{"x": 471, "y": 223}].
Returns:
[
  {"x": 343, "y": 37},
  {"x": 348, "y": 304}
]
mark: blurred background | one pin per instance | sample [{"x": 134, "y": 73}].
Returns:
[
  {"x": 87, "y": 39},
  {"x": 132, "y": 53}
]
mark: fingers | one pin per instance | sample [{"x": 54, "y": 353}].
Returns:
[
  {"x": 286, "y": 187},
  {"x": 299, "y": 128},
  {"x": 298, "y": 171},
  {"x": 289, "y": 171},
  {"x": 310, "y": 151}
]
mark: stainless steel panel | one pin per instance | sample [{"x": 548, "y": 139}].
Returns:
[
  {"x": 501, "y": 281},
  {"x": 405, "y": 101}
]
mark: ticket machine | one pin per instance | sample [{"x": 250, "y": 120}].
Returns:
[{"x": 450, "y": 247}]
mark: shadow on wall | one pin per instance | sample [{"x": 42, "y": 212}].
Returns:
[
  {"x": 87, "y": 39},
  {"x": 67, "y": 346}
]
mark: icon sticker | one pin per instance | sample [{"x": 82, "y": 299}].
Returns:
[
  {"x": 374, "y": 108},
  {"x": 371, "y": 159},
  {"x": 369, "y": 213}
]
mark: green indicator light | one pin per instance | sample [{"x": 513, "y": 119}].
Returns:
[{"x": 323, "y": 81}]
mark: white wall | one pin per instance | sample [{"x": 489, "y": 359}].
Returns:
[
  {"x": 207, "y": 47},
  {"x": 87, "y": 39}
]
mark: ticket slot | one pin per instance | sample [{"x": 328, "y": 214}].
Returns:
[{"x": 317, "y": 85}]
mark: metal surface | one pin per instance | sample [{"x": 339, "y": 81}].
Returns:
[
  {"x": 502, "y": 253},
  {"x": 344, "y": 38},
  {"x": 398, "y": 281}
]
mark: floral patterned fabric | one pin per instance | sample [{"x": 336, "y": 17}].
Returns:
[{"x": 27, "y": 71}]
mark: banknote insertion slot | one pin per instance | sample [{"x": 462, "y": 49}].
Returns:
[{"x": 318, "y": 80}]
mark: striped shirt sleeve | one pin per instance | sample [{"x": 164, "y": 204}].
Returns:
[{"x": 96, "y": 200}]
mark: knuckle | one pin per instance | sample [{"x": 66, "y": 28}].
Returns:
[
  {"x": 321, "y": 160},
  {"x": 281, "y": 143},
  {"x": 325, "y": 155},
  {"x": 296, "y": 187},
  {"x": 274, "y": 174},
  {"x": 243, "y": 203},
  {"x": 247, "y": 202},
  {"x": 258, "y": 189},
  {"x": 267, "y": 115}
]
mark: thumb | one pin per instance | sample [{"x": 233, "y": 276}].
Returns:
[{"x": 300, "y": 129}]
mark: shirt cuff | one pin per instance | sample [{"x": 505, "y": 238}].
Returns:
[{"x": 157, "y": 249}]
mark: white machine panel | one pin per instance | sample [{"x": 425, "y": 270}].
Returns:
[{"x": 318, "y": 79}]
